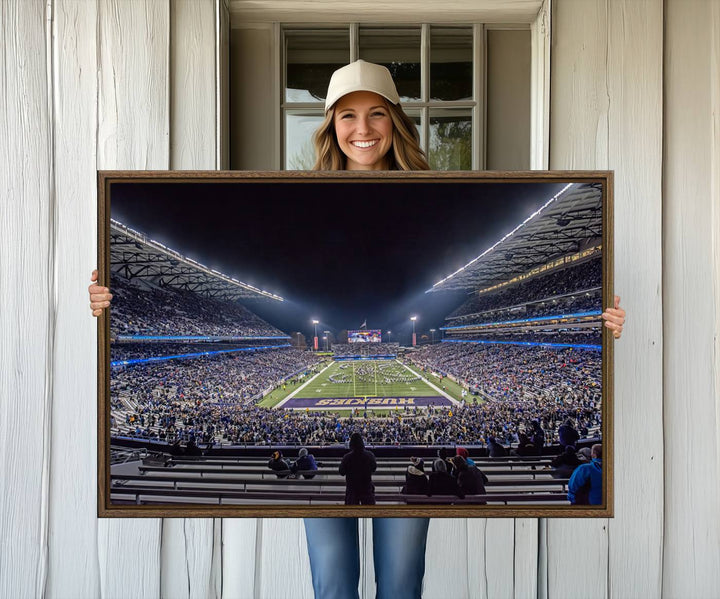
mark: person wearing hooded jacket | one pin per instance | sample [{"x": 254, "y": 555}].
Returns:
[
  {"x": 441, "y": 483},
  {"x": 304, "y": 463},
  {"x": 416, "y": 481},
  {"x": 585, "y": 485},
  {"x": 357, "y": 467}
]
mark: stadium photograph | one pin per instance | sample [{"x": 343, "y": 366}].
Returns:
[{"x": 314, "y": 346}]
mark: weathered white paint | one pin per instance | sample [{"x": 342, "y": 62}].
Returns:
[
  {"x": 27, "y": 316},
  {"x": 384, "y": 11},
  {"x": 133, "y": 132},
  {"x": 187, "y": 556},
  {"x": 607, "y": 113},
  {"x": 540, "y": 89},
  {"x": 73, "y": 568},
  {"x": 692, "y": 319},
  {"x": 239, "y": 557},
  {"x": 107, "y": 105}
]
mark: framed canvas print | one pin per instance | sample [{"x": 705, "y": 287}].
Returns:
[{"x": 355, "y": 344}]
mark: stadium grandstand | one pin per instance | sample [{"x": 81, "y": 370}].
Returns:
[{"x": 203, "y": 391}]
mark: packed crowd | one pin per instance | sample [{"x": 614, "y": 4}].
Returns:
[
  {"x": 140, "y": 350},
  {"x": 232, "y": 378},
  {"x": 586, "y": 301},
  {"x": 144, "y": 310},
  {"x": 341, "y": 350},
  {"x": 207, "y": 422},
  {"x": 561, "y": 377},
  {"x": 587, "y": 336},
  {"x": 587, "y": 275},
  {"x": 210, "y": 402}
]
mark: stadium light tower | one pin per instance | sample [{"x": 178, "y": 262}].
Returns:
[
  {"x": 432, "y": 331},
  {"x": 413, "y": 318},
  {"x": 315, "y": 339},
  {"x": 326, "y": 342},
  {"x": 389, "y": 333}
]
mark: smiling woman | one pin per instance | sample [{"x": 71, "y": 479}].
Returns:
[{"x": 365, "y": 127}]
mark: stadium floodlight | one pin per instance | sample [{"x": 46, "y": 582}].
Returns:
[
  {"x": 432, "y": 331},
  {"x": 413, "y": 319},
  {"x": 315, "y": 337}
]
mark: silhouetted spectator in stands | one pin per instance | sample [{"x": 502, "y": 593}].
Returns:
[
  {"x": 567, "y": 435},
  {"x": 176, "y": 449},
  {"x": 537, "y": 437},
  {"x": 441, "y": 483},
  {"x": 564, "y": 464},
  {"x": 469, "y": 478},
  {"x": 305, "y": 461},
  {"x": 416, "y": 481},
  {"x": 461, "y": 451},
  {"x": 192, "y": 450},
  {"x": 277, "y": 463},
  {"x": 495, "y": 450},
  {"x": 525, "y": 446},
  {"x": 585, "y": 485},
  {"x": 357, "y": 468}
]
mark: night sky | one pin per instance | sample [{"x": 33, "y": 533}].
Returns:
[{"x": 338, "y": 252}]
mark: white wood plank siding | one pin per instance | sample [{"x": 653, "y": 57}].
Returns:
[
  {"x": 692, "y": 323},
  {"x": 73, "y": 561},
  {"x": 607, "y": 113},
  {"x": 26, "y": 297},
  {"x": 193, "y": 85},
  {"x": 190, "y": 568},
  {"x": 133, "y": 130},
  {"x": 446, "y": 558},
  {"x": 240, "y": 557},
  {"x": 577, "y": 550},
  {"x": 282, "y": 565},
  {"x": 635, "y": 124}
]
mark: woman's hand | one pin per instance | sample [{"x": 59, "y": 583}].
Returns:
[
  {"x": 615, "y": 318},
  {"x": 99, "y": 296}
]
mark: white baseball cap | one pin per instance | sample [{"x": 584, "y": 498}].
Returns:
[{"x": 361, "y": 76}]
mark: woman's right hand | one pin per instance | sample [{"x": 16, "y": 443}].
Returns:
[{"x": 99, "y": 296}]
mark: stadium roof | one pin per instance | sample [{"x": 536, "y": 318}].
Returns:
[
  {"x": 567, "y": 223},
  {"x": 134, "y": 255}
]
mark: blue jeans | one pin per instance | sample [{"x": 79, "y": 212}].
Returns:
[{"x": 398, "y": 552}]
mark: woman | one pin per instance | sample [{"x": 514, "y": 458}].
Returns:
[{"x": 365, "y": 129}]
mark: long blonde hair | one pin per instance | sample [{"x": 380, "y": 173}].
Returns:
[{"x": 405, "y": 153}]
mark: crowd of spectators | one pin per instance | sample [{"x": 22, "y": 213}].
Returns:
[
  {"x": 516, "y": 372},
  {"x": 172, "y": 387},
  {"x": 585, "y": 336},
  {"x": 587, "y": 275},
  {"x": 469, "y": 424},
  {"x": 142, "y": 309},
  {"x": 141, "y": 350},
  {"x": 583, "y": 302}
]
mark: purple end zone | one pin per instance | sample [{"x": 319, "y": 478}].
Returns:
[{"x": 359, "y": 402}]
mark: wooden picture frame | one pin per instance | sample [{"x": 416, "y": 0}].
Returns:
[{"x": 560, "y": 240}]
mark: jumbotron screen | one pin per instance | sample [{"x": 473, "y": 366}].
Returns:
[{"x": 365, "y": 336}]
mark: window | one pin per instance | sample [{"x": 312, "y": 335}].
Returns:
[{"x": 436, "y": 71}]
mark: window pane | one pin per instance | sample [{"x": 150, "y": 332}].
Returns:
[
  {"x": 450, "y": 140},
  {"x": 299, "y": 149},
  {"x": 311, "y": 58},
  {"x": 451, "y": 55},
  {"x": 398, "y": 50}
]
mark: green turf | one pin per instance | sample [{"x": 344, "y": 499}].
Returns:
[{"x": 367, "y": 378}]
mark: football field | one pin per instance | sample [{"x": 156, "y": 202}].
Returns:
[{"x": 366, "y": 383}]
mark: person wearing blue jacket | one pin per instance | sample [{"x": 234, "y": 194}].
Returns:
[
  {"x": 585, "y": 485},
  {"x": 304, "y": 463}
]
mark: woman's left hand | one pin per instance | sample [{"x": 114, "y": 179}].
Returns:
[{"x": 615, "y": 318}]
